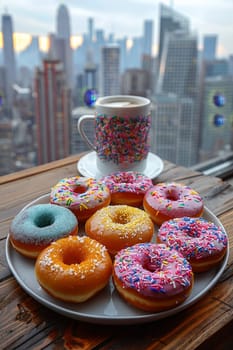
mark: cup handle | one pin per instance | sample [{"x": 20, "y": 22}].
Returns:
[{"x": 80, "y": 127}]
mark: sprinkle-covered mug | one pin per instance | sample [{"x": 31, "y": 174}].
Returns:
[{"x": 121, "y": 139}]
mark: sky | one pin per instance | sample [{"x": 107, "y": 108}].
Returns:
[{"x": 124, "y": 17}]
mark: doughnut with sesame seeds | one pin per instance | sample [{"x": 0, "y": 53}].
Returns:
[
  {"x": 120, "y": 226},
  {"x": 74, "y": 269},
  {"x": 82, "y": 195}
]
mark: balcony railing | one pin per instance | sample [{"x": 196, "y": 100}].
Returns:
[{"x": 221, "y": 166}]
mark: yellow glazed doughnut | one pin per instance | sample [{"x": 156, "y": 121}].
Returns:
[{"x": 119, "y": 226}]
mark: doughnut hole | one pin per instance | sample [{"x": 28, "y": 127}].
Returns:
[
  {"x": 73, "y": 256},
  {"x": 79, "y": 189},
  {"x": 121, "y": 217},
  {"x": 45, "y": 219},
  {"x": 172, "y": 195},
  {"x": 151, "y": 264}
]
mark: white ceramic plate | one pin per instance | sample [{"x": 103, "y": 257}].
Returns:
[
  {"x": 87, "y": 166},
  {"x": 107, "y": 307}
]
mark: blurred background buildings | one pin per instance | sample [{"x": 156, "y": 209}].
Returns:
[{"x": 42, "y": 94}]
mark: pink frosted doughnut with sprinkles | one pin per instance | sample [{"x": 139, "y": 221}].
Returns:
[
  {"x": 203, "y": 243},
  {"x": 152, "y": 277},
  {"x": 166, "y": 201},
  {"x": 127, "y": 187},
  {"x": 82, "y": 195}
]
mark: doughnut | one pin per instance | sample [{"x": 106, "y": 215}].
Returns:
[
  {"x": 127, "y": 187},
  {"x": 82, "y": 195},
  {"x": 119, "y": 226},
  {"x": 152, "y": 277},
  {"x": 73, "y": 268},
  {"x": 166, "y": 201},
  {"x": 35, "y": 227},
  {"x": 202, "y": 243}
]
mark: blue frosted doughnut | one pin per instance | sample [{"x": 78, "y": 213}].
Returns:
[{"x": 35, "y": 227}]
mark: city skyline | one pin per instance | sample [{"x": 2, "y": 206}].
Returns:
[{"x": 124, "y": 18}]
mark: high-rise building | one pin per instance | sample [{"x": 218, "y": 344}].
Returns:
[
  {"x": 217, "y": 67},
  {"x": 174, "y": 129},
  {"x": 53, "y": 112},
  {"x": 135, "y": 53},
  {"x": 209, "y": 47},
  {"x": 136, "y": 82},
  {"x": 124, "y": 54},
  {"x": 170, "y": 21},
  {"x": 177, "y": 119},
  {"x": 64, "y": 51},
  {"x": 90, "y": 30},
  {"x": 8, "y": 56},
  {"x": 216, "y": 122},
  {"x": 148, "y": 37},
  {"x": 178, "y": 65},
  {"x": 110, "y": 70},
  {"x": 7, "y": 159}
]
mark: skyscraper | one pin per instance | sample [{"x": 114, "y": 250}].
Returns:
[
  {"x": 216, "y": 138},
  {"x": 64, "y": 51},
  {"x": 90, "y": 29},
  {"x": 148, "y": 37},
  {"x": 53, "y": 112},
  {"x": 135, "y": 82},
  {"x": 209, "y": 47},
  {"x": 176, "y": 89},
  {"x": 170, "y": 21},
  {"x": 8, "y": 56},
  {"x": 178, "y": 65},
  {"x": 110, "y": 70}
]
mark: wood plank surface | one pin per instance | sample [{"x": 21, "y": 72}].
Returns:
[{"x": 26, "y": 324}]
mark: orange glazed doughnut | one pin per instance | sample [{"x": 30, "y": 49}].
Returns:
[
  {"x": 127, "y": 187},
  {"x": 166, "y": 201},
  {"x": 119, "y": 226},
  {"x": 152, "y": 277},
  {"x": 35, "y": 227},
  {"x": 82, "y": 195},
  {"x": 201, "y": 242},
  {"x": 74, "y": 268}
]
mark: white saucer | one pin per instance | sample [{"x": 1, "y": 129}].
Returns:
[{"x": 87, "y": 166}]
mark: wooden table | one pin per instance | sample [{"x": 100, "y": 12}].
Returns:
[{"x": 26, "y": 324}]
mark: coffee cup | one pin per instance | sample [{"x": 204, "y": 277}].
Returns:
[{"x": 121, "y": 133}]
